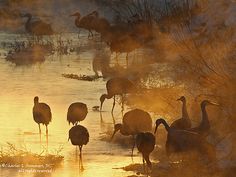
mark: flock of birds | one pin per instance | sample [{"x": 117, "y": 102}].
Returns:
[
  {"x": 181, "y": 136},
  {"x": 122, "y": 37}
]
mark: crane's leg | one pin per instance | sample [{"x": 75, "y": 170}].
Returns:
[
  {"x": 144, "y": 169},
  {"x": 79, "y": 33},
  {"x": 80, "y": 156},
  {"x": 40, "y": 139},
  {"x": 132, "y": 153},
  {"x": 46, "y": 130},
  {"x": 47, "y": 137},
  {"x": 122, "y": 104},
  {"x": 39, "y": 129},
  {"x": 114, "y": 102},
  {"x": 127, "y": 60}
]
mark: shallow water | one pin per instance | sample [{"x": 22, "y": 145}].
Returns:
[{"x": 19, "y": 85}]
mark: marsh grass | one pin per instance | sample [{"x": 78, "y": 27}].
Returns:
[{"x": 22, "y": 156}]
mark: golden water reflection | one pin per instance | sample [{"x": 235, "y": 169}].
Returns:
[{"x": 19, "y": 85}]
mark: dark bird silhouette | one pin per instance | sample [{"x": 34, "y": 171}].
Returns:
[
  {"x": 185, "y": 141},
  {"x": 87, "y": 22},
  {"x": 37, "y": 27},
  {"x": 134, "y": 122},
  {"x": 121, "y": 39},
  {"x": 204, "y": 127},
  {"x": 145, "y": 143},
  {"x": 79, "y": 136},
  {"x": 184, "y": 122},
  {"x": 117, "y": 86},
  {"x": 76, "y": 113},
  {"x": 41, "y": 114}
]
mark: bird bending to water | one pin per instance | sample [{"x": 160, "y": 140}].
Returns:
[
  {"x": 41, "y": 114},
  {"x": 145, "y": 143},
  {"x": 76, "y": 113},
  {"x": 38, "y": 27},
  {"x": 134, "y": 122},
  {"x": 117, "y": 86},
  {"x": 184, "y": 141},
  {"x": 79, "y": 136},
  {"x": 204, "y": 127},
  {"x": 184, "y": 122}
]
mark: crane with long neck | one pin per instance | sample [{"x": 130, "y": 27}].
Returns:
[
  {"x": 185, "y": 141},
  {"x": 184, "y": 122},
  {"x": 204, "y": 127}
]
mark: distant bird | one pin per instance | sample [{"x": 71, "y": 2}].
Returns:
[
  {"x": 117, "y": 86},
  {"x": 184, "y": 122},
  {"x": 41, "y": 114},
  {"x": 134, "y": 122},
  {"x": 76, "y": 113},
  {"x": 145, "y": 143},
  {"x": 79, "y": 136},
  {"x": 87, "y": 22},
  {"x": 37, "y": 27},
  {"x": 204, "y": 127},
  {"x": 121, "y": 39},
  {"x": 185, "y": 141}
]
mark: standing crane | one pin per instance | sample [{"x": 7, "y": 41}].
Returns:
[
  {"x": 204, "y": 127},
  {"x": 134, "y": 122},
  {"x": 41, "y": 114},
  {"x": 38, "y": 27},
  {"x": 79, "y": 136},
  {"x": 184, "y": 122},
  {"x": 76, "y": 112},
  {"x": 117, "y": 86},
  {"x": 145, "y": 143},
  {"x": 185, "y": 141}
]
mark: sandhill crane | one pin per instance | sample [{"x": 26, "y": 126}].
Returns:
[
  {"x": 38, "y": 27},
  {"x": 41, "y": 114},
  {"x": 134, "y": 122},
  {"x": 204, "y": 127},
  {"x": 87, "y": 22},
  {"x": 184, "y": 141},
  {"x": 79, "y": 136},
  {"x": 117, "y": 86},
  {"x": 184, "y": 122},
  {"x": 76, "y": 112},
  {"x": 145, "y": 143}
]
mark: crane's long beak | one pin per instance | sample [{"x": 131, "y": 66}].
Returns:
[
  {"x": 216, "y": 104},
  {"x": 155, "y": 130},
  {"x": 113, "y": 135},
  {"x": 178, "y": 99}
]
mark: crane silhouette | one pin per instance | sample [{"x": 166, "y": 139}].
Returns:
[
  {"x": 38, "y": 27},
  {"x": 185, "y": 141},
  {"x": 41, "y": 114},
  {"x": 204, "y": 127},
  {"x": 184, "y": 122},
  {"x": 117, "y": 86},
  {"x": 87, "y": 22},
  {"x": 79, "y": 136},
  {"x": 134, "y": 122},
  {"x": 145, "y": 143},
  {"x": 121, "y": 39},
  {"x": 76, "y": 112}
]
